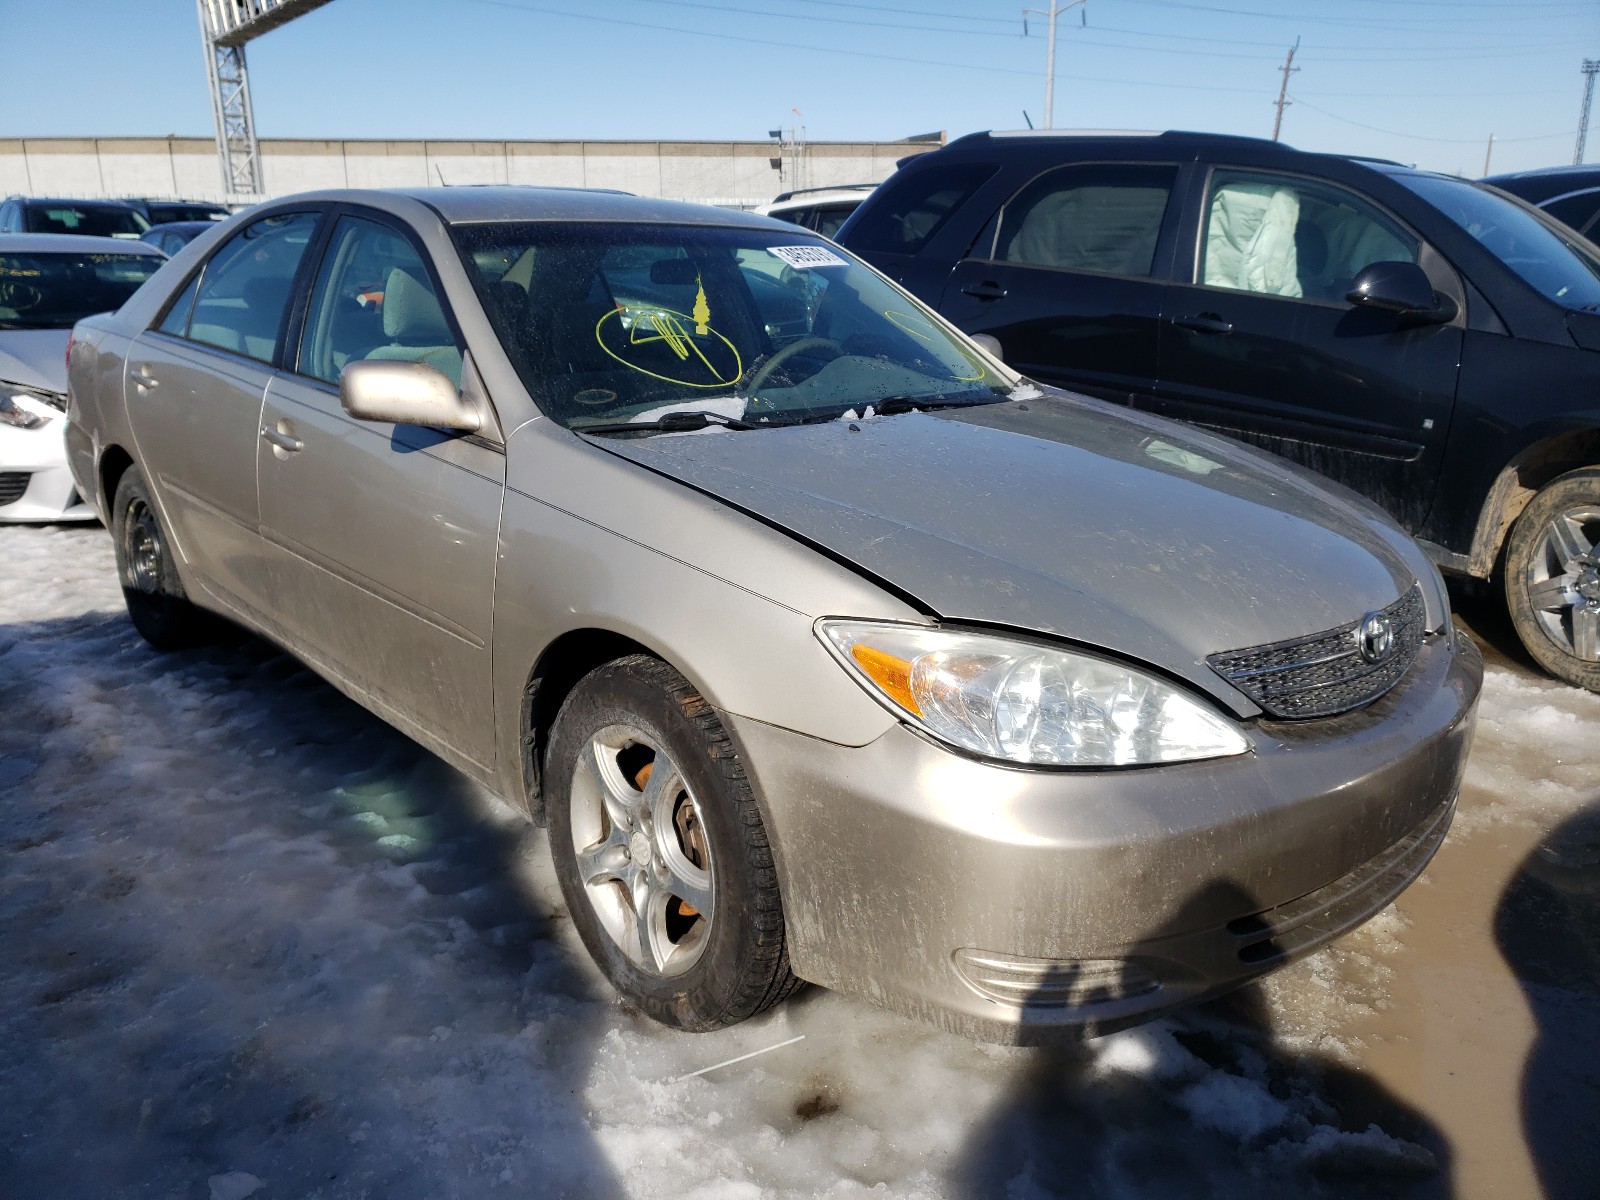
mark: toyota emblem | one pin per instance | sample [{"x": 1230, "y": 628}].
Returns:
[{"x": 1375, "y": 637}]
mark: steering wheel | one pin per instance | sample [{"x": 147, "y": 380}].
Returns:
[{"x": 758, "y": 377}]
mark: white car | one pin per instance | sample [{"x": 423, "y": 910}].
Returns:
[
  {"x": 820, "y": 209},
  {"x": 48, "y": 282}
]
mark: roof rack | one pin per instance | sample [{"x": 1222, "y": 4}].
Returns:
[{"x": 832, "y": 187}]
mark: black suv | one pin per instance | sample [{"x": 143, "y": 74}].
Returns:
[
  {"x": 1430, "y": 343},
  {"x": 1569, "y": 194}
]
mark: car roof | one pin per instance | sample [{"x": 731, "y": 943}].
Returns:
[
  {"x": 72, "y": 243},
  {"x": 73, "y": 200},
  {"x": 1171, "y": 141},
  {"x": 468, "y": 204}
]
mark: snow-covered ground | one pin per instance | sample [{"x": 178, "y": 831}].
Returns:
[{"x": 254, "y": 942}]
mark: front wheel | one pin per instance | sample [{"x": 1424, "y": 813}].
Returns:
[
  {"x": 1552, "y": 577},
  {"x": 660, "y": 850}
]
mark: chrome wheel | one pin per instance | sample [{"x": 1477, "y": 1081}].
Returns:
[
  {"x": 143, "y": 549},
  {"x": 643, "y": 858},
  {"x": 1563, "y": 582}
]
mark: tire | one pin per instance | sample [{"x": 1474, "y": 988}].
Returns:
[
  {"x": 696, "y": 966},
  {"x": 151, "y": 588},
  {"x": 1552, "y": 577}
]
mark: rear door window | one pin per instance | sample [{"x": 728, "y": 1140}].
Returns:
[
  {"x": 1094, "y": 217},
  {"x": 909, "y": 214},
  {"x": 245, "y": 289}
]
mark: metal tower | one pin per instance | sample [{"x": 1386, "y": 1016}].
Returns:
[
  {"x": 225, "y": 27},
  {"x": 1590, "y": 67}
]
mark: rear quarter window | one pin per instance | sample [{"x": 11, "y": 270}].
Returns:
[{"x": 906, "y": 215}]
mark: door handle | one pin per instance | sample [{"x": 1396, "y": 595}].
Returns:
[
  {"x": 283, "y": 441},
  {"x": 142, "y": 376},
  {"x": 987, "y": 290},
  {"x": 1204, "y": 323}
]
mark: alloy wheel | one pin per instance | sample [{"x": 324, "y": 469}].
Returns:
[
  {"x": 1563, "y": 582},
  {"x": 642, "y": 855}
]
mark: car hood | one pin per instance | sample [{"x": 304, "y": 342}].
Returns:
[
  {"x": 1067, "y": 517},
  {"x": 35, "y": 358}
]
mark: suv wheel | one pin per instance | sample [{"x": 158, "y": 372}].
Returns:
[
  {"x": 660, "y": 849},
  {"x": 1552, "y": 577}
]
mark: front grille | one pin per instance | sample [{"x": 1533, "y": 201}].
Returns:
[
  {"x": 1325, "y": 673},
  {"x": 12, "y": 485}
]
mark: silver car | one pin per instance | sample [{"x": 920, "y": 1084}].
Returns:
[{"x": 827, "y": 647}]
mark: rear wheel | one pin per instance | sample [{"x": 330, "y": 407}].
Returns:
[
  {"x": 1552, "y": 577},
  {"x": 660, "y": 850},
  {"x": 151, "y": 588}
]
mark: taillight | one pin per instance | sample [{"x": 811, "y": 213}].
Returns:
[{"x": 69, "y": 352}]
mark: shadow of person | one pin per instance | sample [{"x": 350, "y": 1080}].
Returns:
[
  {"x": 257, "y": 939},
  {"x": 1547, "y": 925},
  {"x": 1204, "y": 1103}
]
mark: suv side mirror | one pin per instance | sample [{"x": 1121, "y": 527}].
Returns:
[
  {"x": 1402, "y": 288},
  {"x": 405, "y": 393}
]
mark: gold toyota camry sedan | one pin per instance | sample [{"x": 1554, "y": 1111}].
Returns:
[{"x": 827, "y": 647}]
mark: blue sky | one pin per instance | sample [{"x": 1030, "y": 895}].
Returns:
[{"x": 1424, "y": 81}]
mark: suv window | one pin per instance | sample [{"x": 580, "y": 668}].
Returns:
[
  {"x": 1098, "y": 217},
  {"x": 240, "y": 302},
  {"x": 374, "y": 299},
  {"x": 911, "y": 213},
  {"x": 1285, "y": 236}
]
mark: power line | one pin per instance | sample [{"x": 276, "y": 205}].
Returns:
[
  {"x": 1417, "y": 137},
  {"x": 894, "y": 58},
  {"x": 1257, "y": 14}
]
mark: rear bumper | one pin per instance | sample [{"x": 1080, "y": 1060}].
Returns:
[{"x": 1004, "y": 903}]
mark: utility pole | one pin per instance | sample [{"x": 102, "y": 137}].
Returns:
[
  {"x": 1283, "y": 92},
  {"x": 1054, "y": 11},
  {"x": 1488, "y": 154},
  {"x": 1590, "y": 67}
]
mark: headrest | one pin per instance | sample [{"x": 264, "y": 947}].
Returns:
[{"x": 411, "y": 314}]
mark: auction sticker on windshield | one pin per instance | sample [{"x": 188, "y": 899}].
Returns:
[{"x": 802, "y": 258}]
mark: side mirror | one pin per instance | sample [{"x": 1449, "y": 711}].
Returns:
[
  {"x": 989, "y": 343},
  {"x": 405, "y": 393},
  {"x": 1402, "y": 288}
]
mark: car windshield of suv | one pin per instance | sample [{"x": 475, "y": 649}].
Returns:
[
  {"x": 93, "y": 220},
  {"x": 612, "y": 323},
  {"x": 55, "y": 291},
  {"x": 1553, "y": 261}
]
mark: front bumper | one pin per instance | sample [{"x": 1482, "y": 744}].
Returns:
[
  {"x": 1002, "y": 903},
  {"x": 35, "y": 484}
]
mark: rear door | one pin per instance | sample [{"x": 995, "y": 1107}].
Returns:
[
  {"x": 383, "y": 536},
  {"x": 1262, "y": 344},
  {"x": 1070, "y": 276},
  {"x": 195, "y": 383}
]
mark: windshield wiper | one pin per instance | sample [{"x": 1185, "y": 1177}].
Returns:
[
  {"x": 893, "y": 405},
  {"x": 672, "y": 422}
]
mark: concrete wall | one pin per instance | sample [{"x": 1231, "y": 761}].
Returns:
[{"x": 717, "y": 172}]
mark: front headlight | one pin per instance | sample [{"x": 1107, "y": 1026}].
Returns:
[
  {"x": 1019, "y": 701},
  {"x": 23, "y": 410}
]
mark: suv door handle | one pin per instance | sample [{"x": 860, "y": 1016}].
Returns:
[
  {"x": 280, "y": 439},
  {"x": 987, "y": 290},
  {"x": 142, "y": 376},
  {"x": 1204, "y": 323}
]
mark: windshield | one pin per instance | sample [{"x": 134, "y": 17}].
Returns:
[
  {"x": 55, "y": 291},
  {"x": 612, "y": 323},
  {"x": 94, "y": 220},
  {"x": 1553, "y": 261}
]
